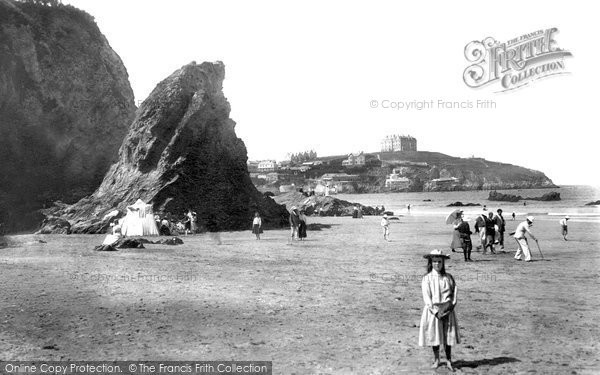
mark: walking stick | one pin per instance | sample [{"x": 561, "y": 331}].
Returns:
[{"x": 538, "y": 246}]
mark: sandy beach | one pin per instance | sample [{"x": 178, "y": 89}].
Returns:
[{"x": 341, "y": 302}]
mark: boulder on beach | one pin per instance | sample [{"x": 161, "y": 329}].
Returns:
[
  {"x": 321, "y": 205},
  {"x": 129, "y": 243},
  {"x": 181, "y": 153},
  {"x": 495, "y": 196},
  {"x": 460, "y": 204},
  {"x": 552, "y": 196},
  {"x": 500, "y": 197}
]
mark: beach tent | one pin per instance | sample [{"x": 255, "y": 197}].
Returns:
[{"x": 139, "y": 220}]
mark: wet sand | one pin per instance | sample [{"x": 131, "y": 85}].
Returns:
[{"x": 342, "y": 302}]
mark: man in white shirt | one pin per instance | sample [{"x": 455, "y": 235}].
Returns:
[
  {"x": 520, "y": 232},
  {"x": 385, "y": 224},
  {"x": 563, "y": 224}
]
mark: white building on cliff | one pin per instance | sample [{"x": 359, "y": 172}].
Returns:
[{"x": 398, "y": 143}]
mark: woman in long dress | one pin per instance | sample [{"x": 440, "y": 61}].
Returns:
[
  {"x": 456, "y": 244},
  {"x": 294, "y": 222},
  {"x": 438, "y": 321},
  {"x": 302, "y": 226}
]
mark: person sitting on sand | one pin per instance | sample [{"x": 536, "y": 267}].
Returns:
[
  {"x": 438, "y": 320},
  {"x": 520, "y": 232},
  {"x": 385, "y": 224},
  {"x": 563, "y": 224},
  {"x": 114, "y": 233},
  {"x": 164, "y": 229}
]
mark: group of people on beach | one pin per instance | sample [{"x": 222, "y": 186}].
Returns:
[
  {"x": 297, "y": 224},
  {"x": 439, "y": 326},
  {"x": 490, "y": 228},
  {"x": 169, "y": 225},
  {"x": 297, "y": 221}
]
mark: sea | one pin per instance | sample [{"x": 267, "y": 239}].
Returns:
[{"x": 573, "y": 203}]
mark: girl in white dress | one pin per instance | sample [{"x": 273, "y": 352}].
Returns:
[{"x": 438, "y": 321}]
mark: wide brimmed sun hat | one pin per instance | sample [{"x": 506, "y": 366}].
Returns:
[
  {"x": 530, "y": 218},
  {"x": 567, "y": 217},
  {"x": 435, "y": 253}
]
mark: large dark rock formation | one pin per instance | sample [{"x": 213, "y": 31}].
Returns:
[
  {"x": 461, "y": 204},
  {"x": 501, "y": 197},
  {"x": 65, "y": 105},
  {"x": 181, "y": 152},
  {"x": 320, "y": 205},
  {"x": 547, "y": 197}
]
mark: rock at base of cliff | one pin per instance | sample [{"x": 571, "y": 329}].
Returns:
[
  {"x": 321, "y": 205},
  {"x": 500, "y": 197},
  {"x": 54, "y": 224},
  {"x": 548, "y": 197},
  {"x": 461, "y": 204},
  {"x": 552, "y": 196}
]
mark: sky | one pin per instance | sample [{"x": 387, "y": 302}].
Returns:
[{"x": 319, "y": 75}]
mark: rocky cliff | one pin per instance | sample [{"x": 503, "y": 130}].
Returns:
[
  {"x": 430, "y": 171},
  {"x": 439, "y": 172},
  {"x": 65, "y": 106},
  {"x": 181, "y": 152}
]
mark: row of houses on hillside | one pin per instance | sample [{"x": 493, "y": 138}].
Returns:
[{"x": 266, "y": 166}]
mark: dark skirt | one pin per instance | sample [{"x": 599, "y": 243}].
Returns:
[
  {"x": 302, "y": 230},
  {"x": 256, "y": 229}
]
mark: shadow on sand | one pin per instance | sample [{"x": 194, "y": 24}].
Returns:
[
  {"x": 485, "y": 362},
  {"x": 317, "y": 226}
]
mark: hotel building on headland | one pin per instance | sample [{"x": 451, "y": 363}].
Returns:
[
  {"x": 398, "y": 143},
  {"x": 267, "y": 166}
]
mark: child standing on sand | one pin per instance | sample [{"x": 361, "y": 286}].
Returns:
[
  {"x": 385, "y": 224},
  {"x": 438, "y": 321}
]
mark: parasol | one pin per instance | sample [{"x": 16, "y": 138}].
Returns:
[{"x": 453, "y": 216}]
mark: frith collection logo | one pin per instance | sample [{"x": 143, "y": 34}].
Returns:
[{"x": 515, "y": 63}]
